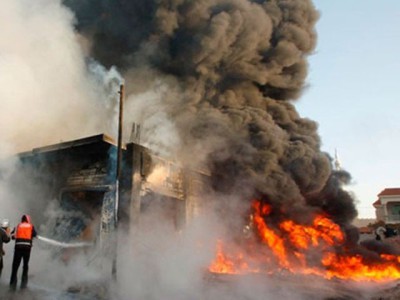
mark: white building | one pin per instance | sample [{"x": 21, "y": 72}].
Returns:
[{"x": 387, "y": 207}]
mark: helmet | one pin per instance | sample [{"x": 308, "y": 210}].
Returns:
[{"x": 5, "y": 223}]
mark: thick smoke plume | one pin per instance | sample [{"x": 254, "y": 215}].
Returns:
[
  {"x": 44, "y": 79},
  {"x": 231, "y": 69}
]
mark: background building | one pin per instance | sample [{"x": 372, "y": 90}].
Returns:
[{"x": 387, "y": 207}]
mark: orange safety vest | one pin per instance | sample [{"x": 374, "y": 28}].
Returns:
[{"x": 24, "y": 231}]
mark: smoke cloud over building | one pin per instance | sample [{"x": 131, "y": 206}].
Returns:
[{"x": 227, "y": 73}]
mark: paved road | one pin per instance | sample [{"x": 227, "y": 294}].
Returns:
[
  {"x": 31, "y": 293},
  {"x": 34, "y": 292}
]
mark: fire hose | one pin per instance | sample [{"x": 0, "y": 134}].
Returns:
[{"x": 62, "y": 244}]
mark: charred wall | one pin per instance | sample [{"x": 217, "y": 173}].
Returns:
[
  {"x": 84, "y": 167},
  {"x": 174, "y": 189},
  {"x": 50, "y": 171}
]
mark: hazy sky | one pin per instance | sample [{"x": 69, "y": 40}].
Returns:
[{"x": 354, "y": 92}]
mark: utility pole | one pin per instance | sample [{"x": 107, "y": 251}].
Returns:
[
  {"x": 120, "y": 123},
  {"x": 119, "y": 149},
  {"x": 117, "y": 179}
]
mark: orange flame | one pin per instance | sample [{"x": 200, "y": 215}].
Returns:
[
  {"x": 304, "y": 249},
  {"x": 228, "y": 265}
]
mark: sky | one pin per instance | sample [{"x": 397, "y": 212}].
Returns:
[{"x": 353, "y": 92}]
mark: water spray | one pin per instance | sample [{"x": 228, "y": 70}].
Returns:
[{"x": 63, "y": 244}]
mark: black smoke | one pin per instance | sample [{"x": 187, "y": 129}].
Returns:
[{"x": 239, "y": 65}]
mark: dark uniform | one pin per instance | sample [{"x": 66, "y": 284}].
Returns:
[
  {"x": 23, "y": 235},
  {"x": 4, "y": 238}
]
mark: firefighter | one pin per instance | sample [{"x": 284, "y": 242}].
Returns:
[
  {"x": 4, "y": 238},
  {"x": 23, "y": 235}
]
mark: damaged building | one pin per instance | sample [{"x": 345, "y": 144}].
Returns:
[{"x": 79, "y": 179}]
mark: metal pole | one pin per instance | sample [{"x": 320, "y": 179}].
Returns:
[
  {"x": 119, "y": 149},
  {"x": 120, "y": 121},
  {"x": 118, "y": 175}
]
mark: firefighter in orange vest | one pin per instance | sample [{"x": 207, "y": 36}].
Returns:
[{"x": 23, "y": 235}]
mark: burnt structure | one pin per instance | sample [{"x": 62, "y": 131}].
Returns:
[{"x": 78, "y": 178}]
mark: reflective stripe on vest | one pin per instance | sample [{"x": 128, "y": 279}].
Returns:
[{"x": 24, "y": 231}]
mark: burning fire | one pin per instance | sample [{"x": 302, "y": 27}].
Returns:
[{"x": 317, "y": 249}]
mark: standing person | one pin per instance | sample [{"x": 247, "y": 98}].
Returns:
[
  {"x": 380, "y": 233},
  {"x": 23, "y": 235},
  {"x": 4, "y": 238}
]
